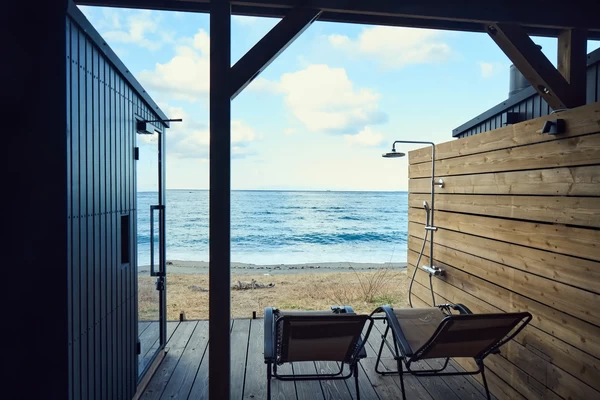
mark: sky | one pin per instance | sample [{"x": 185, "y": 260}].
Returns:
[{"x": 320, "y": 116}]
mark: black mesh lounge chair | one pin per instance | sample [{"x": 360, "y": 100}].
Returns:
[
  {"x": 294, "y": 336},
  {"x": 425, "y": 333}
]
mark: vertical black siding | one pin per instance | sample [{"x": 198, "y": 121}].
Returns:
[
  {"x": 34, "y": 103},
  {"x": 534, "y": 106},
  {"x": 102, "y": 296}
]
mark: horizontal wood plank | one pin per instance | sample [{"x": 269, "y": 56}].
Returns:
[
  {"x": 548, "y": 381},
  {"x": 566, "y": 269},
  {"x": 580, "y": 211},
  {"x": 580, "y": 121},
  {"x": 540, "y": 342},
  {"x": 575, "y": 331},
  {"x": 568, "y": 181},
  {"x": 568, "y": 152},
  {"x": 565, "y": 298},
  {"x": 578, "y": 242}
]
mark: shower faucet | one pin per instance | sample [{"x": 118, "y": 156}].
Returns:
[{"x": 435, "y": 271}]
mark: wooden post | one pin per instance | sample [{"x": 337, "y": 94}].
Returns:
[
  {"x": 219, "y": 359},
  {"x": 572, "y": 63}
]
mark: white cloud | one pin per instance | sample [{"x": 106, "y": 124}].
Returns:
[
  {"x": 396, "y": 47},
  {"x": 289, "y": 131},
  {"x": 367, "y": 137},
  {"x": 489, "y": 70},
  {"x": 324, "y": 99},
  {"x": 186, "y": 75},
  {"x": 191, "y": 138},
  {"x": 140, "y": 28}
]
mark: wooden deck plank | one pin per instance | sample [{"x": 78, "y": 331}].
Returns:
[
  {"x": 333, "y": 389},
  {"x": 148, "y": 345},
  {"x": 255, "y": 384},
  {"x": 176, "y": 345},
  {"x": 239, "y": 348},
  {"x": 307, "y": 390},
  {"x": 411, "y": 384},
  {"x": 283, "y": 390},
  {"x": 172, "y": 327},
  {"x": 199, "y": 390},
  {"x": 184, "y": 372},
  {"x": 458, "y": 384},
  {"x": 142, "y": 326},
  {"x": 183, "y": 377}
]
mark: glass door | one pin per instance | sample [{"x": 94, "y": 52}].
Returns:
[{"x": 151, "y": 260}]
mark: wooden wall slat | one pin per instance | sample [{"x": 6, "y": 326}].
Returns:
[
  {"x": 580, "y": 121},
  {"x": 573, "y": 241},
  {"x": 543, "y": 379},
  {"x": 570, "y": 181},
  {"x": 569, "y": 299},
  {"x": 567, "y": 152},
  {"x": 581, "y": 211},
  {"x": 577, "y": 272},
  {"x": 574, "y": 331},
  {"x": 543, "y": 342},
  {"x": 518, "y": 230}
]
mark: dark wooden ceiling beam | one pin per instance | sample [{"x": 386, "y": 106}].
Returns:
[
  {"x": 533, "y": 64},
  {"x": 572, "y": 63},
  {"x": 269, "y": 47},
  {"x": 538, "y": 17}
]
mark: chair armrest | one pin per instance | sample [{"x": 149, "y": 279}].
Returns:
[
  {"x": 461, "y": 308},
  {"x": 269, "y": 335}
]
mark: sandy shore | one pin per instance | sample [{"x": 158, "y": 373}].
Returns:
[{"x": 201, "y": 267}]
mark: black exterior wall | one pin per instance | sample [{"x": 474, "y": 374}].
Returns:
[
  {"x": 70, "y": 302},
  {"x": 528, "y": 104},
  {"x": 34, "y": 186}
]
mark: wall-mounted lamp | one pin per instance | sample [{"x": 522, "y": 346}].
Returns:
[
  {"x": 554, "y": 127},
  {"x": 145, "y": 127}
]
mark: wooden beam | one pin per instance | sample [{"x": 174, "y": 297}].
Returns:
[
  {"x": 533, "y": 64},
  {"x": 468, "y": 15},
  {"x": 269, "y": 47},
  {"x": 219, "y": 246},
  {"x": 572, "y": 62}
]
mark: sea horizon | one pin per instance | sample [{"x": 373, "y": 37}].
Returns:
[{"x": 270, "y": 227}]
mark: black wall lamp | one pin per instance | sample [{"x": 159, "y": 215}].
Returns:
[
  {"x": 145, "y": 127},
  {"x": 554, "y": 127}
]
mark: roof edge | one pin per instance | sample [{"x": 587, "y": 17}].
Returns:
[
  {"x": 592, "y": 58},
  {"x": 75, "y": 13}
]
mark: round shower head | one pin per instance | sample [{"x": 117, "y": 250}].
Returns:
[{"x": 393, "y": 154}]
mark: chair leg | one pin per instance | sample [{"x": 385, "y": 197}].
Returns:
[
  {"x": 401, "y": 375},
  {"x": 269, "y": 381},
  {"x": 356, "y": 381},
  {"x": 485, "y": 384},
  {"x": 383, "y": 338}
]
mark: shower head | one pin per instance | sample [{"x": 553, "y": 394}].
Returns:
[
  {"x": 393, "y": 154},
  {"x": 426, "y": 206}
]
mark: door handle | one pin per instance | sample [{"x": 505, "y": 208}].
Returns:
[{"x": 152, "y": 271}]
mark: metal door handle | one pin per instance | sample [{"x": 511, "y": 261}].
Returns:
[{"x": 152, "y": 209}]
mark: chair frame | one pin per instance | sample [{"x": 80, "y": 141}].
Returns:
[
  {"x": 272, "y": 327},
  {"x": 404, "y": 354}
]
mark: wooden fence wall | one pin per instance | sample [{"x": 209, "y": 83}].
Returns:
[{"x": 519, "y": 229}]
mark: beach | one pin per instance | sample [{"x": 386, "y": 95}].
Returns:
[
  {"x": 309, "y": 286},
  {"x": 238, "y": 268}
]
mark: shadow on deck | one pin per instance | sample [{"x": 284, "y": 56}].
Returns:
[{"x": 183, "y": 373}]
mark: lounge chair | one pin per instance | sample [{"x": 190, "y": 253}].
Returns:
[
  {"x": 426, "y": 333},
  {"x": 296, "y": 336}
]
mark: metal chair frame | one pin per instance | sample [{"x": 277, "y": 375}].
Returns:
[
  {"x": 404, "y": 355},
  {"x": 272, "y": 325}
]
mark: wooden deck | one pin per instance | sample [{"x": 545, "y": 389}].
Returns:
[{"x": 183, "y": 373}]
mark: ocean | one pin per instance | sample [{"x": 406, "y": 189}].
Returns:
[{"x": 285, "y": 227}]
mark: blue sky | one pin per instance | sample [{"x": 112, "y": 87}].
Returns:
[{"x": 319, "y": 117}]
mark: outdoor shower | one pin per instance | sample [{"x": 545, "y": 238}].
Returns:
[{"x": 429, "y": 223}]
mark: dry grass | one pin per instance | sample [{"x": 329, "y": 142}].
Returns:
[{"x": 362, "y": 290}]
